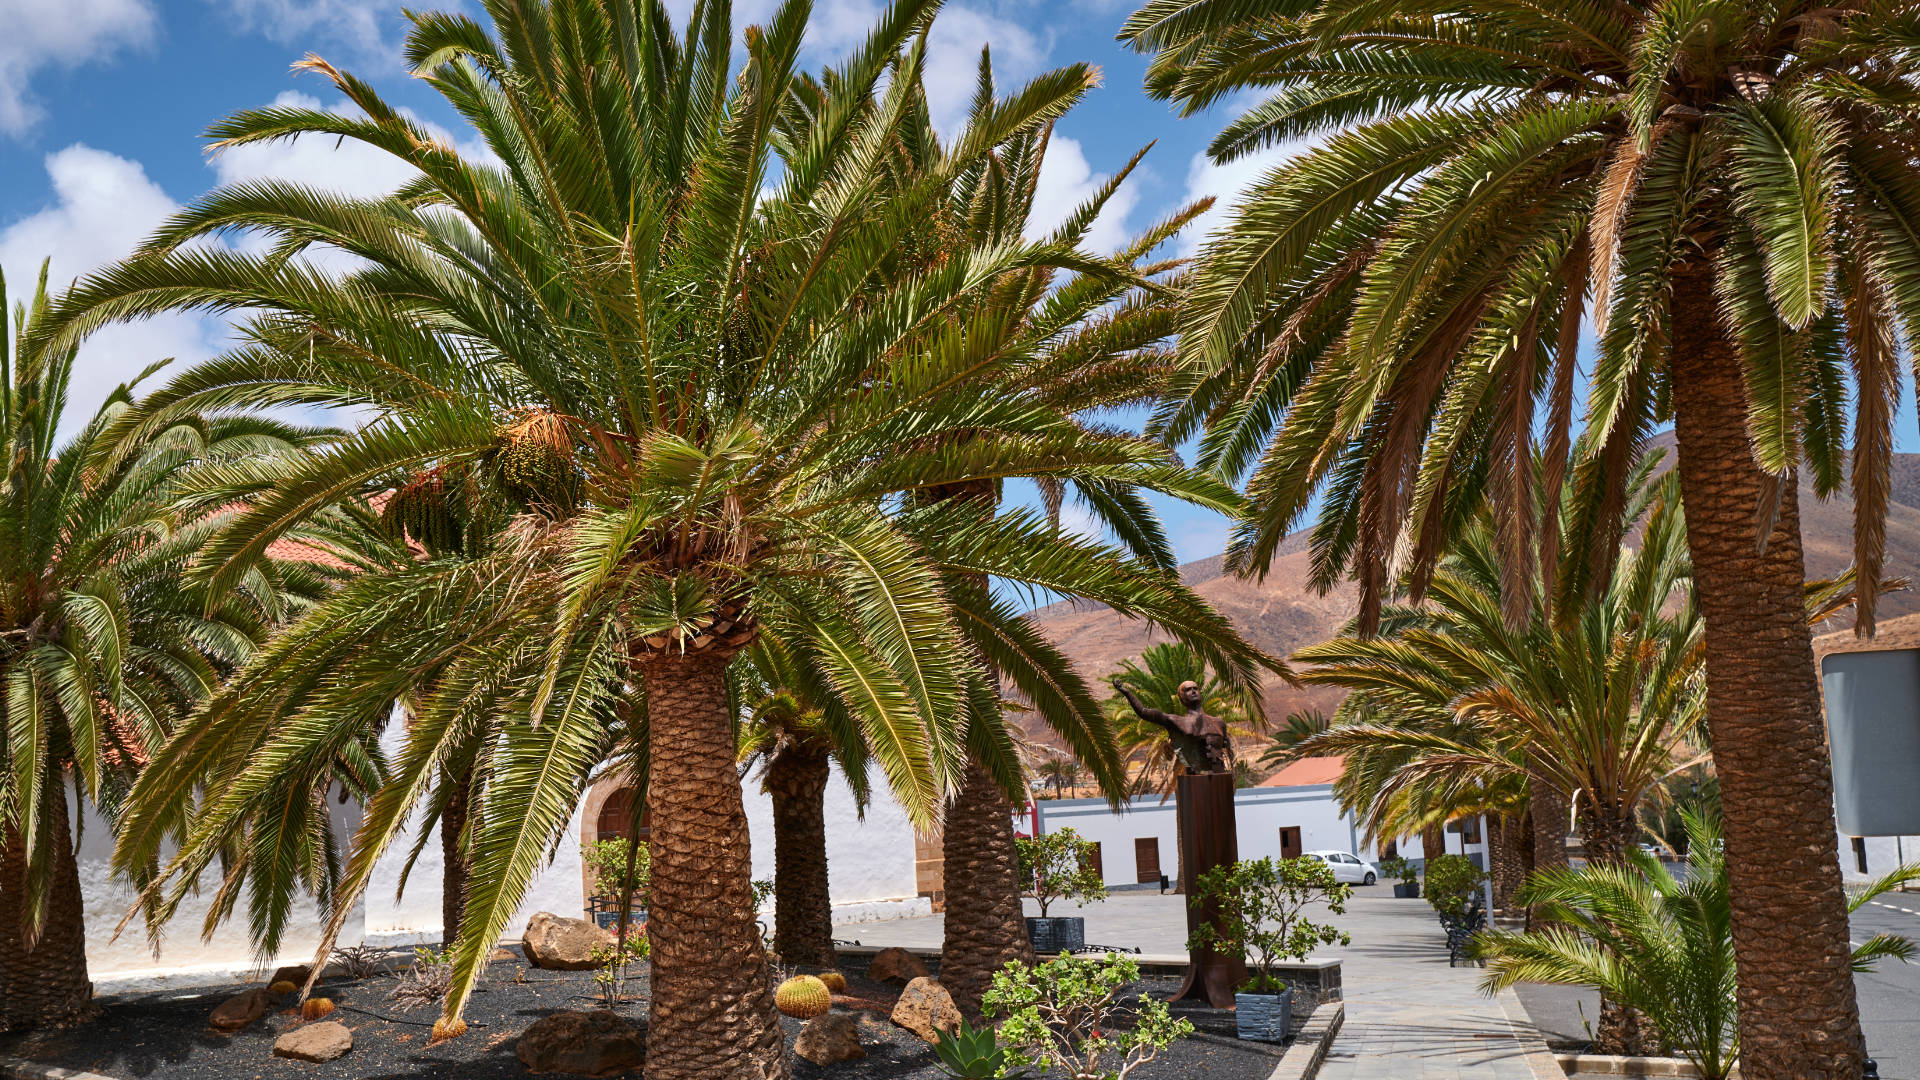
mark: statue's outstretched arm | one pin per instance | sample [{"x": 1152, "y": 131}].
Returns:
[{"x": 1151, "y": 716}]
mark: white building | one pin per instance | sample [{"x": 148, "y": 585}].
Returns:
[
  {"x": 1290, "y": 812},
  {"x": 1863, "y": 858},
  {"x": 871, "y": 871}
]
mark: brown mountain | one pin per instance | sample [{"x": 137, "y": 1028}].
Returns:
[{"x": 1281, "y": 613}]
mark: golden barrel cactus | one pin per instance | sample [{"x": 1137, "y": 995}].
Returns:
[
  {"x": 284, "y": 986},
  {"x": 803, "y": 997},
  {"x": 835, "y": 981},
  {"x": 316, "y": 1008}
]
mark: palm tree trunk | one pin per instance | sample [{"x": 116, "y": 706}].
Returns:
[
  {"x": 797, "y": 778},
  {"x": 1433, "y": 841},
  {"x": 1547, "y": 806},
  {"x": 1504, "y": 847},
  {"x": 712, "y": 1015},
  {"x": 1798, "y": 1016},
  {"x": 985, "y": 925},
  {"x": 1608, "y": 834},
  {"x": 43, "y": 975},
  {"x": 453, "y": 857}
]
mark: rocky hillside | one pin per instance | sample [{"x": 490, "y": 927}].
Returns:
[{"x": 1280, "y": 613}]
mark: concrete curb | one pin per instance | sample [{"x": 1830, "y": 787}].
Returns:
[
  {"x": 1309, "y": 1050},
  {"x": 12, "y": 1068},
  {"x": 1540, "y": 1060}
]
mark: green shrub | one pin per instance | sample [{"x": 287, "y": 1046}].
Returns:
[
  {"x": 1262, "y": 906},
  {"x": 1065, "y": 1016},
  {"x": 1452, "y": 883},
  {"x": 1059, "y": 866},
  {"x": 972, "y": 1054},
  {"x": 606, "y": 860},
  {"x": 1400, "y": 870}
]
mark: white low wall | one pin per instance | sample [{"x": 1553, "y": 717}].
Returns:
[{"x": 870, "y": 871}]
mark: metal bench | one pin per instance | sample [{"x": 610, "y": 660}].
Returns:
[{"x": 1460, "y": 931}]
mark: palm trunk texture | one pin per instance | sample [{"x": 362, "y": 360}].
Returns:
[
  {"x": 43, "y": 974},
  {"x": 1509, "y": 869},
  {"x": 1798, "y": 1016},
  {"x": 1608, "y": 833},
  {"x": 712, "y": 1016},
  {"x": 802, "y": 903},
  {"x": 985, "y": 925},
  {"x": 453, "y": 858},
  {"x": 1547, "y": 806}
]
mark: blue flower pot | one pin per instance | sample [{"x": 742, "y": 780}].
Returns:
[{"x": 1263, "y": 1017}]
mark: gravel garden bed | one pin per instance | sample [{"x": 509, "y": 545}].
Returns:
[{"x": 165, "y": 1036}]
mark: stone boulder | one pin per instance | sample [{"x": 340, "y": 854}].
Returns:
[
  {"x": 320, "y": 1042},
  {"x": 926, "y": 1009},
  {"x": 896, "y": 966},
  {"x": 828, "y": 1038},
  {"x": 597, "y": 1043},
  {"x": 297, "y": 974},
  {"x": 559, "y": 944},
  {"x": 241, "y": 1009}
]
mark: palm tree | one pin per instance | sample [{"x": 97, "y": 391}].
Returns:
[
  {"x": 717, "y": 420},
  {"x": 105, "y": 640},
  {"x": 787, "y": 730},
  {"x": 1156, "y": 676},
  {"x": 1662, "y": 946},
  {"x": 1602, "y": 704},
  {"x": 1060, "y": 771},
  {"x": 1726, "y": 190},
  {"x": 1298, "y": 726}
]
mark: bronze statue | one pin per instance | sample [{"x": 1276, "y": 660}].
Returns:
[{"x": 1201, "y": 740}]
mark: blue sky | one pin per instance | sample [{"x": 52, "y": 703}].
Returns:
[{"x": 103, "y": 105}]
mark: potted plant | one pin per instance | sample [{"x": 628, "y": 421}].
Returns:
[
  {"x": 1262, "y": 907},
  {"x": 1066, "y": 1017},
  {"x": 1408, "y": 887},
  {"x": 1059, "y": 866}
]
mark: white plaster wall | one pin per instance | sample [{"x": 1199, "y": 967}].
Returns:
[
  {"x": 1884, "y": 854},
  {"x": 1259, "y": 815},
  {"x": 184, "y": 958},
  {"x": 870, "y": 860}
]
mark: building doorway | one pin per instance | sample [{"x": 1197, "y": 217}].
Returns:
[
  {"x": 1290, "y": 841},
  {"x": 616, "y": 817},
  {"x": 1146, "y": 860}
]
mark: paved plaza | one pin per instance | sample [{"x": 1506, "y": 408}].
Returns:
[{"x": 1409, "y": 1016}]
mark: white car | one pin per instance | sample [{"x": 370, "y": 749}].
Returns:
[{"x": 1349, "y": 868}]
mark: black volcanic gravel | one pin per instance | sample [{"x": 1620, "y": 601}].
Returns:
[{"x": 164, "y": 1036}]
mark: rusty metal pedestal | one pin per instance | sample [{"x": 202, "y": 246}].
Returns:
[{"x": 1204, "y": 804}]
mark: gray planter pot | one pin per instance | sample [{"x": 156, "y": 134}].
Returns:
[
  {"x": 1409, "y": 891},
  {"x": 1057, "y": 934},
  {"x": 1263, "y": 1017}
]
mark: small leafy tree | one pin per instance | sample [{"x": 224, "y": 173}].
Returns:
[
  {"x": 1452, "y": 883},
  {"x": 607, "y": 861},
  {"x": 1064, "y": 1015},
  {"x": 1059, "y": 866},
  {"x": 1263, "y": 920}
]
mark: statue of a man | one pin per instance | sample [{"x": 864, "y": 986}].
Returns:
[{"x": 1201, "y": 740}]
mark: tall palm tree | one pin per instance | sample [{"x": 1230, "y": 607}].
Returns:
[
  {"x": 1726, "y": 189},
  {"x": 105, "y": 640},
  {"x": 719, "y": 418},
  {"x": 1295, "y": 728}
]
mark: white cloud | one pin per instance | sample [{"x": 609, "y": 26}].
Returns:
[
  {"x": 1067, "y": 181},
  {"x": 37, "y": 34},
  {"x": 103, "y": 206},
  {"x": 953, "y": 61},
  {"x": 369, "y": 29},
  {"x": 1225, "y": 183}
]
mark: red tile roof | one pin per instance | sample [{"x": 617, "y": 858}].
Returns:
[{"x": 1307, "y": 772}]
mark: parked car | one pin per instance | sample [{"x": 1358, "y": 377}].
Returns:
[{"x": 1348, "y": 868}]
